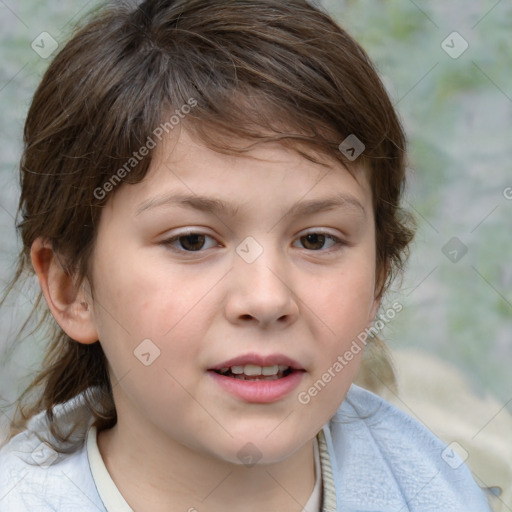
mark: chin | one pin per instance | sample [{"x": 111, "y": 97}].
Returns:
[{"x": 261, "y": 448}]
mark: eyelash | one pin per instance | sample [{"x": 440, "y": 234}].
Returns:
[{"x": 168, "y": 242}]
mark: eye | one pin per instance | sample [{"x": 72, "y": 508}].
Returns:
[
  {"x": 195, "y": 242},
  {"x": 316, "y": 240},
  {"x": 188, "y": 242}
]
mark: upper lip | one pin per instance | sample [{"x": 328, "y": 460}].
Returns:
[{"x": 259, "y": 360}]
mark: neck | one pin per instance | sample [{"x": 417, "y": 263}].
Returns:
[{"x": 158, "y": 474}]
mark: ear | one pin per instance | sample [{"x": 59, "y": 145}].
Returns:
[{"x": 70, "y": 305}]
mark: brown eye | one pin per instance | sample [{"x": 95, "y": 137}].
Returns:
[
  {"x": 316, "y": 241},
  {"x": 192, "y": 242},
  {"x": 313, "y": 241},
  {"x": 189, "y": 242}
]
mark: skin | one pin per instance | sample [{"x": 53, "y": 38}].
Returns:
[{"x": 178, "y": 433}]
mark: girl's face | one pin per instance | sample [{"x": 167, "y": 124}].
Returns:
[{"x": 215, "y": 265}]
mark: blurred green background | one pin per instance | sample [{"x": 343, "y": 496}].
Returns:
[
  {"x": 457, "y": 111},
  {"x": 458, "y": 116}
]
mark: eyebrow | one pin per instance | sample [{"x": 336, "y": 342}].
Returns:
[{"x": 218, "y": 206}]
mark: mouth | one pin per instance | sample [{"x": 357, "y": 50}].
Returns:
[
  {"x": 256, "y": 378},
  {"x": 252, "y": 372}
]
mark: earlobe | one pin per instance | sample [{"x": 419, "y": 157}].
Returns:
[{"x": 70, "y": 305}]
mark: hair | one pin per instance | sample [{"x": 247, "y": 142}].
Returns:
[{"x": 261, "y": 71}]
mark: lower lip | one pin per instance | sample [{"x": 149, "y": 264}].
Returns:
[{"x": 259, "y": 391}]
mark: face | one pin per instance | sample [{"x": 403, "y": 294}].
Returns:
[{"x": 192, "y": 301}]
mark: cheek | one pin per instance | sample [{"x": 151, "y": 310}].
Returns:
[
  {"x": 138, "y": 302},
  {"x": 345, "y": 301},
  {"x": 130, "y": 291},
  {"x": 342, "y": 314}
]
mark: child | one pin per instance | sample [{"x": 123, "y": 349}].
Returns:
[{"x": 183, "y": 161}]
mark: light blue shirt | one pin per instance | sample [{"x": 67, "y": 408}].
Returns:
[{"x": 382, "y": 461}]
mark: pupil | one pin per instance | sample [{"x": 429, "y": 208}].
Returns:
[
  {"x": 315, "y": 239},
  {"x": 194, "y": 238}
]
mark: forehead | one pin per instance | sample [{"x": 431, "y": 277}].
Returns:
[
  {"x": 185, "y": 149},
  {"x": 184, "y": 171}
]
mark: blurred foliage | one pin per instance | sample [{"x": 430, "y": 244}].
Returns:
[{"x": 457, "y": 114}]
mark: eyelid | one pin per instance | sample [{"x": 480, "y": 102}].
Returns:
[
  {"x": 339, "y": 242},
  {"x": 317, "y": 231},
  {"x": 188, "y": 232}
]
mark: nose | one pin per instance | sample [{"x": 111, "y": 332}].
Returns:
[{"x": 262, "y": 292}]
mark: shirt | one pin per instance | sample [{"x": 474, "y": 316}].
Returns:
[
  {"x": 113, "y": 500},
  {"x": 373, "y": 458}
]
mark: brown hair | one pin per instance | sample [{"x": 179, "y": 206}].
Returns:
[{"x": 266, "y": 70}]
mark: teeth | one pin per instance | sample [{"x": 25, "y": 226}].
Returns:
[
  {"x": 253, "y": 370},
  {"x": 245, "y": 377},
  {"x": 270, "y": 370}
]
